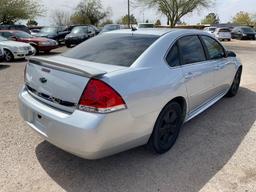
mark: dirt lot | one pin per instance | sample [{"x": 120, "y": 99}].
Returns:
[{"x": 215, "y": 151}]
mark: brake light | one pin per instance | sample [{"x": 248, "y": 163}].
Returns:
[{"x": 99, "y": 97}]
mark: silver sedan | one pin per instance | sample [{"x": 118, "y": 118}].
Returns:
[{"x": 126, "y": 88}]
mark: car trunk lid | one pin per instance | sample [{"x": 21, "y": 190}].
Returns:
[{"x": 59, "y": 81}]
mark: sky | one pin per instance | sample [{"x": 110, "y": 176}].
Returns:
[{"x": 226, "y": 9}]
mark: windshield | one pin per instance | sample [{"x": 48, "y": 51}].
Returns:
[
  {"x": 114, "y": 49},
  {"x": 49, "y": 30},
  {"x": 212, "y": 29},
  {"x": 248, "y": 30},
  {"x": 79, "y": 30},
  {"x": 3, "y": 39},
  {"x": 21, "y": 35},
  {"x": 224, "y": 30},
  {"x": 146, "y": 25}
]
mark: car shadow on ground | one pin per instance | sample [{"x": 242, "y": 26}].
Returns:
[
  {"x": 205, "y": 145},
  {"x": 3, "y": 66}
]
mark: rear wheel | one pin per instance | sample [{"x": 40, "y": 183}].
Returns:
[
  {"x": 167, "y": 128},
  {"x": 8, "y": 56},
  {"x": 68, "y": 45},
  {"x": 235, "y": 85}
]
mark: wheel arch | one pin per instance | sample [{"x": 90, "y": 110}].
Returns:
[{"x": 183, "y": 103}]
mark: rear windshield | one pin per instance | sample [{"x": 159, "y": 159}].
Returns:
[
  {"x": 113, "y": 49},
  {"x": 224, "y": 30}
]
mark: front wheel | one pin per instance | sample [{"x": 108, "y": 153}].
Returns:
[
  {"x": 235, "y": 85},
  {"x": 166, "y": 129},
  {"x": 8, "y": 56}
]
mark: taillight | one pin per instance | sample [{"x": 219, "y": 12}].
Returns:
[{"x": 99, "y": 97}]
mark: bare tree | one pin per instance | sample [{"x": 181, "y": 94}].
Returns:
[
  {"x": 90, "y": 12},
  {"x": 60, "y": 17},
  {"x": 175, "y": 9}
]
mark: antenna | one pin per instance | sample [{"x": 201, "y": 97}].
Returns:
[{"x": 134, "y": 28}]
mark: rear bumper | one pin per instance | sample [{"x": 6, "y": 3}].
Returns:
[
  {"x": 47, "y": 48},
  {"x": 87, "y": 135},
  {"x": 74, "y": 41}
]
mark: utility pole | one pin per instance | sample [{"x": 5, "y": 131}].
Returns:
[{"x": 129, "y": 19}]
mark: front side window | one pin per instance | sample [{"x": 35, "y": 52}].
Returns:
[
  {"x": 113, "y": 49},
  {"x": 191, "y": 49},
  {"x": 173, "y": 58},
  {"x": 215, "y": 50}
]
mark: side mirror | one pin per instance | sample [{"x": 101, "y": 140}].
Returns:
[{"x": 231, "y": 54}]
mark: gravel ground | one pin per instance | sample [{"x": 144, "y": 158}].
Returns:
[{"x": 215, "y": 151}]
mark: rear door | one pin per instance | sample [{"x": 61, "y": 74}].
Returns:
[
  {"x": 198, "y": 73},
  {"x": 224, "y": 67}
]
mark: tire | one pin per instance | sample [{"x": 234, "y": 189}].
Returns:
[
  {"x": 166, "y": 129},
  {"x": 229, "y": 39},
  {"x": 236, "y": 84},
  {"x": 8, "y": 56},
  {"x": 68, "y": 45}
]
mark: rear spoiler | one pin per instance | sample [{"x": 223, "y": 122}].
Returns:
[{"x": 75, "y": 67}]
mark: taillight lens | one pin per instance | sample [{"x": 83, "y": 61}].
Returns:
[{"x": 99, "y": 97}]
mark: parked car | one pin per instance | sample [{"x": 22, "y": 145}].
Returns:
[
  {"x": 39, "y": 43},
  {"x": 79, "y": 34},
  {"x": 97, "y": 31},
  {"x": 56, "y": 33},
  {"x": 110, "y": 27},
  {"x": 126, "y": 88},
  {"x": 15, "y": 27},
  {"x": 223, "y": 34},
  {"x": 210, "y": 30},
  {"x": 15, "y": 50},
  {"x": 243, "y": 32},
  {"x": 145, "y": 25}
]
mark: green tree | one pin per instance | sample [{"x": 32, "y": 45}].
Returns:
[
  {"x": 32, "y": 22},
  {"x": 12, "y": 11},
  {"x": 89, "y": 12},
  {"x": 211, "y": 18},
  {"x": 176, "y": 9},
  {"x": 158, "y": 22},
  {"x": 243, "y": 18},
  {"x": 124, "y": 20}
]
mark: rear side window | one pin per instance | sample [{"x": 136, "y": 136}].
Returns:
[
  {"x": 215, "y": 50},
  {"x": 191, "y": 49},
  {"x": 113, "y": 49},
  {"x": 173, "y": 58},
  {"x": 224, "y": 30}
]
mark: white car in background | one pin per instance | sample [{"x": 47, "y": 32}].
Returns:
[
  {"x": 15, "y": 50},
  {"x": 210, "y": 30},
  {"x": 223, "y": 34}
]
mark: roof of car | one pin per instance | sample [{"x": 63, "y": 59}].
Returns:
[
  {"x": 11, "y": 31},
  {"x": 154, "y": 31}
]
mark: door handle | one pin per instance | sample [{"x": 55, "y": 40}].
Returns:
[{"x": 188, "y": 75}]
